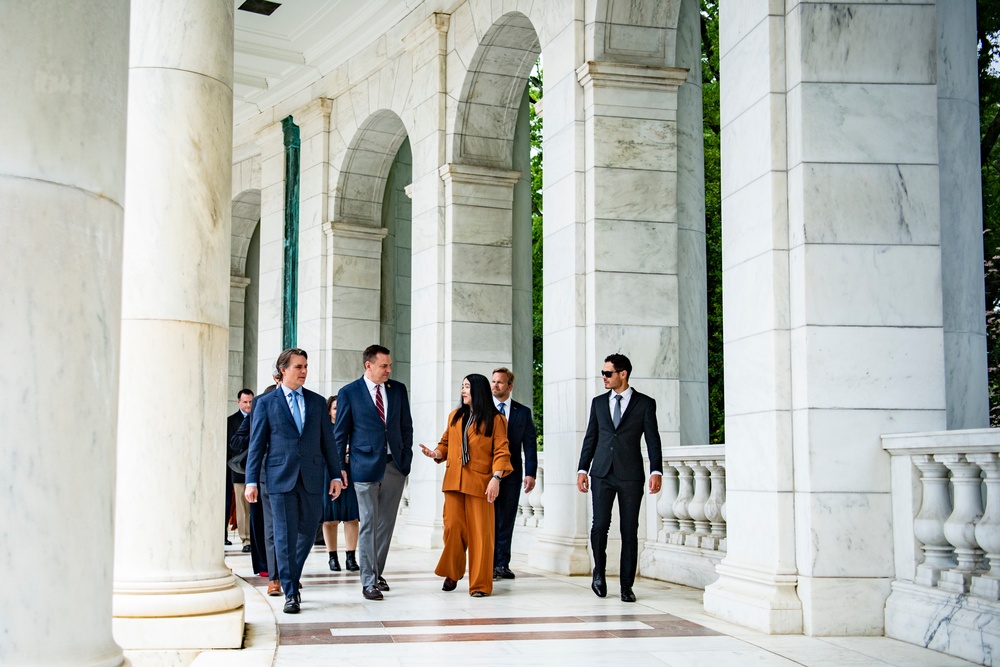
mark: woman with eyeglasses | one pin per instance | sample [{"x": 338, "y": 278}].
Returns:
[{"x": 476, "y": 455}]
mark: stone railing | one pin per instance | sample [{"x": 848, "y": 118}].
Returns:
[
  {"x": 692, "y": 504},
  {"x": 530, "y": 510},
  {"x": 686, "y": 532},
  {"x": 946, "y": 537}
]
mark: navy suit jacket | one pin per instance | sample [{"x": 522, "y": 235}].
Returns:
[
  {"x": 604, "y": 445},
  {"x": 273, "y": 435},
  {"x": 233, "y": 423},
  {"x": 359, "y": 426},
  {"x": 521, "y": 436}
]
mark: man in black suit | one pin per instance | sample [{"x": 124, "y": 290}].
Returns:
[
  {"x": 611, "y": 453},
  {"x": 521, "y": 436},
  {"x": 236, "y": 480},
  {"x": 291, "y": 429}
]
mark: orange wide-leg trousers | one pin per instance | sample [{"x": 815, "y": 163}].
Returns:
[{"x": 468, "y": 525}]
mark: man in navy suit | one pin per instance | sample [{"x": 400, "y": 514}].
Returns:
[
  {"x": 291, "y": 428},
  {"x": 611, "y": 453},
  {"x": 373, "y": 418},
  {"x": 521, "y": 436}
]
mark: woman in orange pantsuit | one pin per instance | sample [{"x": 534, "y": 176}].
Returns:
[{"x": 476, "y": 454}]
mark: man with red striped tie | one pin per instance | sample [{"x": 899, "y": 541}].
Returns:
[{"x": 373, "y": 418}]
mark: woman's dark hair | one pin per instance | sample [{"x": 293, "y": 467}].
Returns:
[
  {"x": 330, "y": 401},
  {"x": 481, "y": 404}
]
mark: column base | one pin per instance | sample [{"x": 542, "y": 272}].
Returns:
[
  {"x": 842, "y": 606},
  {"x": 763, "y": 601},
  {"x": 178, "y": 616},
  {"x": 960, "y": 625},
  {"x": 560, "y": 554},
  {"x": 420, "y": 533},
  {"x": 679, "y": 565}
]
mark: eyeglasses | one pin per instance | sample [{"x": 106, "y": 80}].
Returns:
[{"x": 608, "y": 374}]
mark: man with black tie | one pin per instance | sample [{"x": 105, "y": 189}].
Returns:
[
  {"x": 373, "y": 417},
  {"x": 521, "y": 436},
  {"x": 291, "y": 428},
  {"x": 611, "y": 453},
  {"x": 236, "y": 480}
]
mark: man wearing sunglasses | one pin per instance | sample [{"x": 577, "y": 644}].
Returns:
[{"x": 618, "y": 419}]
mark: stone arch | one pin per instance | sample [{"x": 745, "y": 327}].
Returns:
[
  {"x": 369, "y": 156},
  {"x": 492, "y": 91},
  {"x": 246, "y": 215},
  {"x": 242, "y": 296},
  {"x": 640, "y": 32}
]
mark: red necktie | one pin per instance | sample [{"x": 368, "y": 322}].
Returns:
[{"x": 379, "y": 405}]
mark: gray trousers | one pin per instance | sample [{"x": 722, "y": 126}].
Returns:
[{"x": 378, "y": 504}]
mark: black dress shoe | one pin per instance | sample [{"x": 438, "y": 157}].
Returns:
[
  {"x": 228, "y": 543},
  {"x": 449, "y": 584},
  {"x": 291, "y": 605},
  {"x": 599, "y": 586},
  {"x": 505, "y": 572},
  {"x": 246, "y": 548},
  {"x": 372, "y": 593},
  {"x": 628, "y": 595},
  {"x": 381, "y": 585},
  {"x": 496, "y": 573}
]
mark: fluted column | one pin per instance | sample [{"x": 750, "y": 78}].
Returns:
[
  {"x": 62, "y": 181},
  {"x": 172, "y": 589}
]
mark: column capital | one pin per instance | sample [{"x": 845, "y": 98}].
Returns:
[
  {"x": 349, "y": 230},
  {"x": 593, "y": 74},
  {"x": 437, "y": 24},
  {"x": 475, "y": 175},
  {"x": 238, "y": 282}
]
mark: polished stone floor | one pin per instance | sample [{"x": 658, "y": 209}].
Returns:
[{"x": 535, "y": 619}]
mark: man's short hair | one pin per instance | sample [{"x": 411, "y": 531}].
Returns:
[
  {"x": 243, "y": 392},
  {"x": 506, "y": 371},
  {"x": 621, "y": 363},
  {"x": 285, "y": 358},
  {"x": 373, "y": 351}
]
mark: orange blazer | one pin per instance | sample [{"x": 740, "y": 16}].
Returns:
[{"x": 486, "y": 455}]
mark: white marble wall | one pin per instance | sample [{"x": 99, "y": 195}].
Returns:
[
  {"x": 62, "y": 183},
  {"x": 850, "y": 276},
  {"x": 172, "y": 590}
]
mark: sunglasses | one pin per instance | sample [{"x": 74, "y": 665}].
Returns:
[{"x": 608, "y": 374}]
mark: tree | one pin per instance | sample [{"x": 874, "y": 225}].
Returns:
[
  {"x": 988, "y": 22},
  {"x": 535, "y": 94}
]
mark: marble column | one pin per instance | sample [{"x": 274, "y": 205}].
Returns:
[
  {"x": 62, "y": 182},
  {"x": 430, "y": 393},
  {"x": 172, "y": 590},
  {"x": 832, "y": 260}
]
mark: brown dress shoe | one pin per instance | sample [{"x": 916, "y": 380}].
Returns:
[
  {"x": 372, "y": 593},
  {"x": 274, "y": 588},
  {"x": 449, "y": 584}
]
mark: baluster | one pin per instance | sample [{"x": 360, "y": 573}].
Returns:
[
  {"x": 987, "y": 585},
  {"x": 713, "y": 508},
  {"x": 665, "y": 503},
  {"x": 960, "y": 528},
  {"x": 685, "y": 492},
  {"x": 696, "y": 508},
  {"x": 928, "y": 525},
  {"x": 524, "y": 511},
  {"x": 535, "y": 498}
]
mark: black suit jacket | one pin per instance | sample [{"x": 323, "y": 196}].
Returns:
[
  {"x": 605, "y": 446},
  {"x": 522, "y": 438},
  {"x": 232, "y": 425}
]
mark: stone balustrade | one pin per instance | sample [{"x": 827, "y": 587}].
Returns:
[
  {"x": 692, "y": 505},
  {"x": 946, "y": 524}
]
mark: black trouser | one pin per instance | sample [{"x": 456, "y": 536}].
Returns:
[
  {"x": 504, "y": 514},
  {"x": 629, "y": 493}
]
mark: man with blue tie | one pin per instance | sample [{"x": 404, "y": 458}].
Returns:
[
  {"x": 290, "y": 427},
  {"x": 611, "y": 453},
  {"x": 521, "y": 437},
  {"x": 373, "y": 417}
]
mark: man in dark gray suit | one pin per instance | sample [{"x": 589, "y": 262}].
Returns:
[
  {"x": 373, "y": 418},
  {"x": 618, "y": 419},
  {"x": 522, "y": 438},
  {"x": 291, "y": 428}
]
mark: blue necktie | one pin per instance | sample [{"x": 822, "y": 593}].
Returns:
[
  {"x": 500, "y": 407},
  {"x": 296, "y": 414},
  {"x": 616, "y": 418}
]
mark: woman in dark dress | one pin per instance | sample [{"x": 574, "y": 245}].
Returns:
[{"x": 342, "y": 510}]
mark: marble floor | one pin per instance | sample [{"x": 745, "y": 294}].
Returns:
[{"x": 535, "y": 619}]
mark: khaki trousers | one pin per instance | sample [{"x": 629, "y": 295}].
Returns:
[
  {"x": 242, "y": 514},
  {"x": 468, "y": 525}
]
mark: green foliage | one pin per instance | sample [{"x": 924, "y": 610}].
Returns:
[
  {"x": 535, "y": 93},
  {"x": 988, "y": 20},
  {"x": 713, "y": 217}
]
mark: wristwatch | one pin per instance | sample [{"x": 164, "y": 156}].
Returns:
[{"x": 496, "y": 476}]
